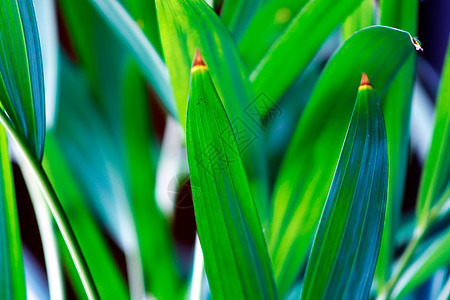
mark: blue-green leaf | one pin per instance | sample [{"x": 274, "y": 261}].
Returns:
[
  {"x": 21, "y": 73},
  {"x": 345, "y": 250}
]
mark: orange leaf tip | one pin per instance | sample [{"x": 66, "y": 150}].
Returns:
[
  {"x": 198, "y": 61},
  {"x": 365, "y": 83}
]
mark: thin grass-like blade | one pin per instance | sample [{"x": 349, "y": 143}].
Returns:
[
  {"x": 12, "y": 276},
  {"x": 186, "y": 25},
  {"x": 436, "y": 174},
  {"x": 433, "y": 257},
  {"x": 345, "y": 250},
  {"x": 235, "y": 253},
  {"x": 308, "y": 167},
  {"x": 293, "y": 50},
  {"x": 21, "y": 72},
  {"x": 396, "y": 105},
  {"x": 105, "y": 271}
]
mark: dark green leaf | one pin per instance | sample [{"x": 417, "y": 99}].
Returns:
[
  {"x": 236, "y": 259},
  {"x": 307, "y": 169},
  {"x": 345, "y": 250}
]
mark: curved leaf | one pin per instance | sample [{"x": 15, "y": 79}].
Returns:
[
  {"x": 397, "y": 111},
  {"x": 291, "y": 52},
  {"x": 345, "y": 250},
  {"x": 436, "y": 174},
  {"x": 363, "y": 16},
  {"x": 186, "y": 25},
  {"x": 12, "y": 276},
  {"x": 433, "y": 257},
  {"x": 21, "y": 73},
  {"x": 235, "y": 253},
  {"x": 307, "y": 169}
]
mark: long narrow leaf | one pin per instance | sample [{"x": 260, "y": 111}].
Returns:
[
  {"x": 307, "y": 169},
  {"x": 12, "y": 276},
  {"x": 397, "y": 110},
  {"x": 21, "y": 72},
  {"x": 236, "y": 259},
  {"x": 237, "y": 15},
  {"x": 305, "y": 34},
  {"x": 436, "y": 174},
  {"x": 345, "y": 251},
  {"x": 186, "y": 25}
]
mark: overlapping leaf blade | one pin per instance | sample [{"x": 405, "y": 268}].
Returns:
[
  {"x": 186, "y": 25},
  {"x": 434, "y": 256},
  {"x": 292, "y": 51},
  {"x": 345, "y": 251},
  {"x": 397, "y": 110},
  {"x": 307, "y": 169},
  {"x": 237, "y": 15},
  {"x": 436, "y": 174},
  {"x": 21, "y": 72},
  {"x": 236, "y": 259},
  {"x": 268, "y": 23},
  {"x": 12, "y": 277},
  {"x": 362, "y": 17}
]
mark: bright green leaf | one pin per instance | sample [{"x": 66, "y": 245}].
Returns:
[
  {"x": 188, "y": 25},
  {"x": 237, "y": 15},
  {"x": 363, "y": 16},
  {"x": 345, "y": 250},
  {"x": 307, "y": 169},
  {"x": 291, "y": 52},
  {"x": 21, "y": 73},
  {"x": 12, "y": 277},
  {"x": 436, "y": 174},
  {"x": 397, "y": 110},
  {"x": 268, "y": 23},
  {"x": 236, "y": 259}
]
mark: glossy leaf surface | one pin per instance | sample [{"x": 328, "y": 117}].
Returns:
[
  {"x": 21, "y": 72},
  {"x": 235, "y": 253},
  {"x": 345, "y": 250},
  {"x": 308, "y": 167}
]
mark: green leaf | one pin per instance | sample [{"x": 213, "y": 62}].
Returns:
[
  {"x": 345, "y": 250},
  {"x": 436, "y": 174},
  {"x": 436, "y": 255},
  {"x": 154, "y": 237},
  {"x": 291, "y": 52},
  {"x": 105, "y": 271},
  {"x": 21, "y": 73},
  {"x": 307, "y": 169},
  {"x": 397, "y": 111},
  {"x": 362, "y": 17},
  {"x": 236, "y": 259},
  {"x": 151, "y": 64},
  {"x": 144, "y": 13},
  {"x": 268, "y": 23},
  {"x": 186, "y": 25},
  {"x": 237, "y": 15},
  {"x": 12, "y": 277}
]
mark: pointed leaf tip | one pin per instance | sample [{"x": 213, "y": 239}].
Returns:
[
  {"x": 365, "y": 83},
  {"x": 198, "y": 59}
]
